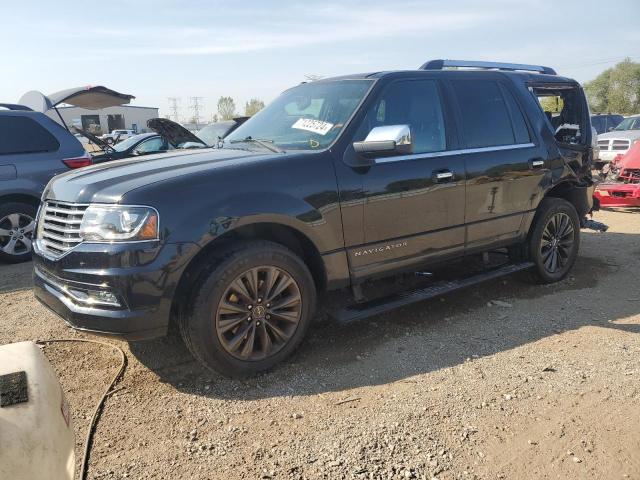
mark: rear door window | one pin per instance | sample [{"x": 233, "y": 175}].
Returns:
[
  {"x": 485, "y": 115},
  {"x": 24, "y": 135},
  {"x": 520, "y": 130}
]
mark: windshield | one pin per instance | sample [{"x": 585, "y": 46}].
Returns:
[
  {"x": 631, "y": 123},
  {"x": 212, "y": 132},
  {"x": 125, "y": 144},
  {"x": 307, "y": 117}
]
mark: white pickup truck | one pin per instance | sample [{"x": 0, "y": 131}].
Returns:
[{"x": 117, "y": 136}]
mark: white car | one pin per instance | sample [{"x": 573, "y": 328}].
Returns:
[
  {"x": 117, "y": 136},
  {"x": 620, "y": 139}
]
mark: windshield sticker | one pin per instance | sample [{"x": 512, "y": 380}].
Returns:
[{"x": 311, "y": 125}]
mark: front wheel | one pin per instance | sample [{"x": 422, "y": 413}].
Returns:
[
  {"x": 252, "y": 310},
  {"x": 554, "y": 240}
]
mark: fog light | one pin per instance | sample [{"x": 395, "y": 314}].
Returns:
[{"x": 94, "y": 297}]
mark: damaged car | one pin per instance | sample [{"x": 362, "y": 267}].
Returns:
[
  {"x": 168, "y": 136},
  {"x": 336, "y": 182},
  {"x": 621, "y": 187}
]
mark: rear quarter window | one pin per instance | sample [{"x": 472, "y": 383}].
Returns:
[{"x": 24, "y": 135}]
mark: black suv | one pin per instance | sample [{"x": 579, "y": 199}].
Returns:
[{"x": 337, "y": 181}]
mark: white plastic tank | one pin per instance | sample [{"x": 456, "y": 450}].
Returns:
[{"x": 36, "y": 435}]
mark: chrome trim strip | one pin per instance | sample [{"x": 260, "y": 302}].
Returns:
[{"x": 446, "y": 153}]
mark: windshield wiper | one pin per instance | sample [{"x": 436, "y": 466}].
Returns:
[{"x": 268, "y": 144}]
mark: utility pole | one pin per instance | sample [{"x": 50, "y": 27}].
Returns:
[
  {"x": 196, "y": 104},
  {"x": 173, "y": 108}
]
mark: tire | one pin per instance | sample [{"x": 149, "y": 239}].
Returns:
[
  {"x": 17, "y": 228},
  {"x": 554, "y": 240},
  {"x": 234, "y": 330}
]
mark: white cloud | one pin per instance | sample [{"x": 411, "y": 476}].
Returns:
[{"x": 302, "y": 27}]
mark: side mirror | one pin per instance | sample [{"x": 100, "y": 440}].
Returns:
[{"x": 386, "y": 141}]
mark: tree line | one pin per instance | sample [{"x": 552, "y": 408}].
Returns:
[
  {"x": 227, "y": 108},
  {"x": 616, "y": 90}
]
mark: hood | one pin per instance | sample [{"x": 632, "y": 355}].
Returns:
[
  {"x": 109, "y": 182},
  {"x": 631, "y": 159},
  {"x": 175, "y": 133},
  {"x": 621, "y": 134},
  {"x": 92, "y": 98},
  {"x": 96, "y": 140}
]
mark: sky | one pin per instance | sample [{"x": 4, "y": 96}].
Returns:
[{"x": 156, "y": 49}]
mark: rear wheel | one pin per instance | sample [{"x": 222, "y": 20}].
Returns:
[
  {"x": 251, "y": 311},
  {"x": 17, "y": 224},
  {"x": 555, "y": 239}
]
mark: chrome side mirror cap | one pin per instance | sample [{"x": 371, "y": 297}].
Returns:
[{"x": 386, "y": 141}]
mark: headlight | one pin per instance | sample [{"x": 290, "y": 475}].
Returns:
[{"x": 119, "y": 223}]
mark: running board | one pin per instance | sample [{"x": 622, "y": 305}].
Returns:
[{"x": 380, "y": 305}]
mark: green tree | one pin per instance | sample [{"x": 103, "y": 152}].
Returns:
[
  {"x": 616, "y": 90},
  {"x": 226, "y": 108},
  {"x": 253, "y": 106}
]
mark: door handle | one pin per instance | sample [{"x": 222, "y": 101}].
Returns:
[
  {"x": 443, "y": 176},
  {"x": 536, "y": 163}
]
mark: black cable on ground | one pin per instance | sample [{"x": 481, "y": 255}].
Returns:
[{"x": 107, "y": 392}]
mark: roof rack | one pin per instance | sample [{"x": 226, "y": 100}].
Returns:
[
  {"x": 15, "y": 106},
  {"x": 512, "y": 67}
]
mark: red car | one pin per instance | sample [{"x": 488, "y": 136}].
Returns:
[{"x": 624, "y": 191}]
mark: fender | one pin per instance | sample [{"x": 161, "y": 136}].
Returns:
[{"x": 322, "y": 226}]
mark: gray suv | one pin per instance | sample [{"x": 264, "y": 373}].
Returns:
[{"x": 33, "y": 148}]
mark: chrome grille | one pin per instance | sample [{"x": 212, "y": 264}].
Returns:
[
  {"x": 620, "y": 145},
  {"x": 59, "y": 227},
  {"x": 603, "y": 144}
]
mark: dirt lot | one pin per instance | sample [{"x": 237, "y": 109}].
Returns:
[{"x": 544, "y": 385}]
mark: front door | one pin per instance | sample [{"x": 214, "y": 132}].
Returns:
[{"x": 413, "y": 204}]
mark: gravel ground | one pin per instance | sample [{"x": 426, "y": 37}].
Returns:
[{"x": 543, "y": 383}]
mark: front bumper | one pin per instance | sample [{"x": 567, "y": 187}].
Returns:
[
  {"x": 609, "y": 155},
  {"x": 618, "y": 194},
  {"x": 143, "y": 277}
]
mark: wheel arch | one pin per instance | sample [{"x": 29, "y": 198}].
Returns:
[
  {"x": 576, "y": 194},
  {"x": 284, "y": 235},
  {"x": 20, "y": 198}
]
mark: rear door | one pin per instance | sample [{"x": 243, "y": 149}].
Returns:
[{"x": 503, "y": 166}]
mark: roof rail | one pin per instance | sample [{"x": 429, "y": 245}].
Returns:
[
  {"x": 15, "y": 106},
  {"x": 442, "y": 64}
]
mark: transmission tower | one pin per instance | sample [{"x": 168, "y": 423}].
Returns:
[
  {"x": 196, "y": 105},
  {"x": 173, "y": 107}
]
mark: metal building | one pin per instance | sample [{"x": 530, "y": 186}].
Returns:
[{"x": 107, "y": 119}]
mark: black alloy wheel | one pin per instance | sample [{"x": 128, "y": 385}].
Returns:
[
  {"x": 258, "y": 313},
  {"x": 557, "y": 242}
]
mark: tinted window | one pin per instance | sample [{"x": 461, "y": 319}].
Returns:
[
  {"x": 24, "y": 135},
  {"x": 485, "y": 118},
  {"x": 413, "y": 103},
  {"x": 599, "y": 124},
  {"x": 520, "y": 130}
]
